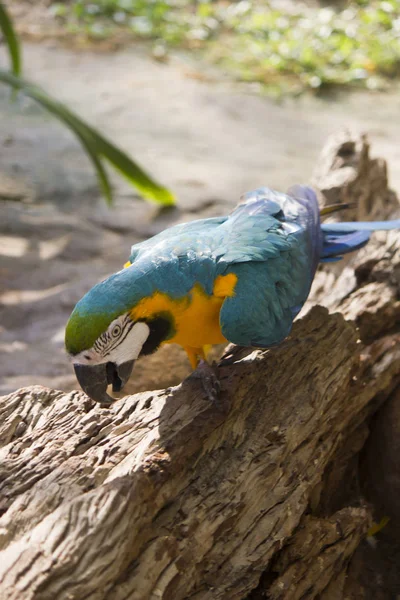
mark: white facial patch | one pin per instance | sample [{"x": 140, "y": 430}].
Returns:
[
  {"x": 122, "y": 341},
  {"x": 131, "y": 346}
]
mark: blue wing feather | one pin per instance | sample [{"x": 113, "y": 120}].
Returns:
[
  {"x": 275, "y": 274},
  {"x": 268, "y": 296},
  {"x": 183, "y": 235}
]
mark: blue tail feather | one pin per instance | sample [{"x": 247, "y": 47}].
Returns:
[
  {"x": 342, "y": 238},
  {"x": 360, "y": 226},
  {"x": 342, "y": 243}
]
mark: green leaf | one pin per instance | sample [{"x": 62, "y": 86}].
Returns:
[
  {"x": 102, "y": 177},
  {"x": 96, "y": 145},
  {"x": 132, "y": 171},
  {"x": 11, "y": 40}
]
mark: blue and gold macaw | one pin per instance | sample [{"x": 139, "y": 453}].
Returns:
[{"x": 241, "y": 278}]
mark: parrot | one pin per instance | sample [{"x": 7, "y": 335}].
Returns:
[{"x": 241, "y": 278}]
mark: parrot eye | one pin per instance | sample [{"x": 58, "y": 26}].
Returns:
[{"x": 116, "y": 332}]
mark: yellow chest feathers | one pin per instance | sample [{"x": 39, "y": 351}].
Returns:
[{"x": 195, "y": 316}]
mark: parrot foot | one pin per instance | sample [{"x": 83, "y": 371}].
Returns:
[{"x": 210, "y": 382}]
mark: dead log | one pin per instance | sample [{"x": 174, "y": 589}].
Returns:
[
  {"x": 164, "y": 495},
  {"x": 345, "y": 172}
]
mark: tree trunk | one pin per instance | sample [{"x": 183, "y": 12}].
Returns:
[{"x": 166, "y": 496}]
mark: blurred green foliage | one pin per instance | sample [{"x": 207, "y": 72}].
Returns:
[
  {"x": 11, "y": 41},
  {"x": 290, "y": 48},
  {"x": 97, "y": 147}
]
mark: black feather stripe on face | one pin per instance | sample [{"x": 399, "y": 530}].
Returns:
[
  {"x": 122, "y": 335},
  {"x": 109, "y": 340},
  {"x": 161, "y": 328}
]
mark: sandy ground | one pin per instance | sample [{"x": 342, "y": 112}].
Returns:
[{"x": 207, "y": 139}]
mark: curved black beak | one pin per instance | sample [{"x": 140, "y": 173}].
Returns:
[{"x": 94, "y": 379}]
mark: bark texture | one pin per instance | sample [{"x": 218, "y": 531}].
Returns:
[{"x": 166, "y": 496}]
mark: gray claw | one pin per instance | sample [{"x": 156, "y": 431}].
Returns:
[{"x": 209, "y": 381}]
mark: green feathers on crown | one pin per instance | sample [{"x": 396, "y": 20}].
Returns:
[
  {"x": 98, "y": 308},
  {"x": 83, "y": 330}
]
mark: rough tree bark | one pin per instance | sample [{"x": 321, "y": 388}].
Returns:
[{"x": 166, "y": 496}]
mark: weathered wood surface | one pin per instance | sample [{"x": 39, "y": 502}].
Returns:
[
  {"x": 346, "y": 172},
  {"x": 166, "y": 496}
]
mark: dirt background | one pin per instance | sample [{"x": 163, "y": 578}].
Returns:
[{"x": 206, "y": 138}]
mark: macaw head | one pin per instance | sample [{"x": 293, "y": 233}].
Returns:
[{"x": 104, "y": 335}]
